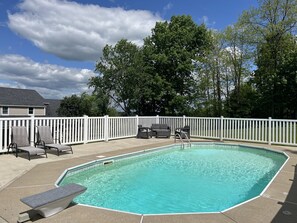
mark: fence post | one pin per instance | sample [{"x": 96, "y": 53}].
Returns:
[
  {"x": 137, "y": 123},
  {"x": 86, "y": 128},
  {"x": 269, "y": 131},
  {"x": 106, "y": 128},
  {"x": 222, "y": 129},
  {"x": 32, "y": 130},
  {"x": 157, "y": 119},
  {"x": 184, "y": 120}
]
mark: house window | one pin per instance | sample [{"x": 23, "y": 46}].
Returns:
[
  {"x": 31, "y": 111},
  {"x": 5, "y": 110}
]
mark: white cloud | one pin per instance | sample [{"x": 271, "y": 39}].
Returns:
[
  {"x": 51, "y": 81},
  {"x": 78, "y": 31},
  {"x": 205, "y": 20},
  {"x": 168, "y": 6}
]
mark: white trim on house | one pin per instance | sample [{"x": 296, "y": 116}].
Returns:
[
  {"x": 22, "y": 106},
  {"x": 5, "y": 114}
]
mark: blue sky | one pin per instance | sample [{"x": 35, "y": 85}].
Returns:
[{"x": 52, "y": 45}]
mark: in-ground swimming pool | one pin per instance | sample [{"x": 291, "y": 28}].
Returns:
[{"x": 202, "y": 178}]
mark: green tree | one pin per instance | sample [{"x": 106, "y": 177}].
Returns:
[
  {"x": 242, "y": 105},
  {"x": 170, "y": 55},
  {"x": 289, "y": 71},
  {"x": 211, "y": 78},
  {"x": 85, "y": 104},
  {"x": 120, "y": 75},
  {"x": 70, "y": 107},
  {"x": 271, "y": 24},
  {"x": 238, "y": 54},
  {"x": 94, "y": 105},
  {"x": 270, "y": 77},
  {"x": 158, "y": 78}
]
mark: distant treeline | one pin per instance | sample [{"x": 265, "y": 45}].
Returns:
[{"x": 247, "y": 70}]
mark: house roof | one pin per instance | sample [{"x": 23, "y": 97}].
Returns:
[{"x": 20, "y": 97}]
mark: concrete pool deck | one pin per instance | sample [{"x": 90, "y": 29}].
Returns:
[{"x": 20, "y": 178}]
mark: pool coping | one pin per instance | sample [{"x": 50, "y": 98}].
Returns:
[{"x": 277, "y": 204}]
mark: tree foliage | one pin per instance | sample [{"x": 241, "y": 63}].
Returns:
[
  {"x": 70, "y": 106},
  {"x": 226, "y": 69},
  {"x": 121, "y": 76},
  {"x": 275, "y": 83},
  {"x": 171, "y": 54},
  {"x": 247, "y": 70},
  {"x": 273, "y": 25},
  {"x": 157, "y": 78},
  {"x": 91, "y": 105},
  {"x": 243, "y": 103}
]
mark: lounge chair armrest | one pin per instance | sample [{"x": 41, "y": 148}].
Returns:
[
  {"x": 12, "y": 145},
  {"x": 40, "y": 143}
]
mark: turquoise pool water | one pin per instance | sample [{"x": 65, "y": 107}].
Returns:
[{"x": 203, "y": 178}]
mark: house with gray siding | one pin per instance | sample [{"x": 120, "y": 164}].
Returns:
[{"x": 25, "y": 102}]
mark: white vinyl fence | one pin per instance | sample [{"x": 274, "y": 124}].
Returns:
[{"x": 75, "y": 130}]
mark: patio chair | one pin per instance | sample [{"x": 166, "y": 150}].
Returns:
[
  {"x": 183, "y": 132},
  {"x": 144, "y": 132},
  {"x": 55, "y": 200},
  {"x": 20, "y": 142},
  {"x": 46, "y": 140}
]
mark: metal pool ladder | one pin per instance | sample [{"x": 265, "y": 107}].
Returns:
[{"x": 183, "y": 143}]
